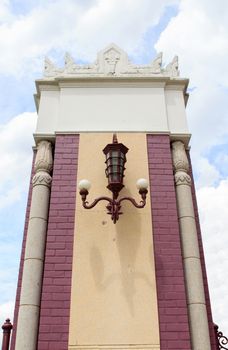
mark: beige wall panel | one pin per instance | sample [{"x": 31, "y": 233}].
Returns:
[{"x": 114, "y": 301}]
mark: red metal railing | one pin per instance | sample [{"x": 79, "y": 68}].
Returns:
[{"x": 7, "y": 327}]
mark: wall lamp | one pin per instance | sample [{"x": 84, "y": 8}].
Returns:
[{"x": 115, "y": 160}]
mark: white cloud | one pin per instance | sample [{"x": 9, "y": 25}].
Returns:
[
  {"x": 208, "y": 116},
  {"x": 206, "y": 173},
  {"x": 6, "y": 311},
  {"x": 4, "y": 11},
  {"x": 16, "y": 157},
  {"x": 198, "y": 34},
  {"x": 220, "y": 158},
  {"x": 80, "y": 27},
  {"x": 214, "y": 222}
]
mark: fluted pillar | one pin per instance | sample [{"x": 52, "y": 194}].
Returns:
[
  {"x": 28, "y": 317},
  {"x": 190, "y": 249}
]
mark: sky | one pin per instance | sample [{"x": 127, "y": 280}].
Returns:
[{"x": 195, "y": 30}]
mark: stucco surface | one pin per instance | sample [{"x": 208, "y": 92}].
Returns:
[{"x": 113, "y": 298}]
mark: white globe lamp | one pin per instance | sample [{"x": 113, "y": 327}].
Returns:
[
  {"x": 84, "y": 185},
  {"x": 142, "y": 184}
]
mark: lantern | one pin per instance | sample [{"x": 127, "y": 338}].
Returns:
[{"x": 115, "y": 160}]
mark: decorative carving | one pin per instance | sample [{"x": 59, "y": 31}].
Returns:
[
  {"x": 180, "y": 160},
  {"x": 182, "y": 178},
  {"x": 172, "y": 68},
  {"x": 111, "y": 57},
  {"x": 44, "y": 159},
  {"x": 112, "y": 61},
  {"x": 50, "y": 69},
  {"x": 43, "y": 164},
  {"x": 154, "y": 68},
  {"x": 156, "y": 63},
  {"x": 180, "y": 164},
  {"x": 73, "y": 68},
  {"x": 69, "y": 62},
  {"x": 42, "y": 178}
]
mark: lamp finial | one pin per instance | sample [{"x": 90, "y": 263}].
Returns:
[{"x": 114, "y": 139}]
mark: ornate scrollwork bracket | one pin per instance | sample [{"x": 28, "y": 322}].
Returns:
[
  {"x": 222, "y": 341},
  {"x": 114, "y": 206}
]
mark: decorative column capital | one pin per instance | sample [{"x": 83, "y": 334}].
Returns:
[
  {"x": 180, "y": 164},
  {"x": 44, "y": 159},
  {"x": 43, "y": 164}
]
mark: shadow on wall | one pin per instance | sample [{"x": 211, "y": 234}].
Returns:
[{"x": 128, "y": 234}]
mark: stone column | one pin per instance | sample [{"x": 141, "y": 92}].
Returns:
[
  {"x": 28, "y": 317},
  {"x": 190, "y": 249}
]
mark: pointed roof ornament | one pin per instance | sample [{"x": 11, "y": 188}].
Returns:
[{"x": 112, "y": 62}]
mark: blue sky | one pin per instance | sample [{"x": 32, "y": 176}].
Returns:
[{"x": 195, "y": 30}]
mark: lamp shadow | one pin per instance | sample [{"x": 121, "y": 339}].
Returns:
[
  {"x": 128, "y": 237},
  {"x": 128, "y": 231}
]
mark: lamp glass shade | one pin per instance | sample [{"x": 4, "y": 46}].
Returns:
[
  {"x": 84, "y": 185},
  {"x": 142, "y": 184},
  {"x": 115, "y": 160}
]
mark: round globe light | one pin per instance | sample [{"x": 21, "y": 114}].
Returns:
[
  {"x": 142, "y": 184},
  {"x": 84, "y": 185}
]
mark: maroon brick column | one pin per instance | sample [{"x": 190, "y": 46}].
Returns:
[
  {"x": 172, "y": 304},
  {"x": 18, "y": 293},
  {"x": 206, "y": 289},
  {"x": 55, "y": 300}
]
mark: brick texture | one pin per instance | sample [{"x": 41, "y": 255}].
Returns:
[
  {"x": 207, "y": 296},
  {"x": 172, "y": 304},
  {"x": 55, "y": 300},
  {"x": 18, "y": 293}
]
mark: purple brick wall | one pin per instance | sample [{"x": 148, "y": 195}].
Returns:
[
  {"x": 208, "y": 303},
  {"x": 55, "y": 300},
  {"x": 172, "y": 304},
  {"x": 18, "y": 293}
]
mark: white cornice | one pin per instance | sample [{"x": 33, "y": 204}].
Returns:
[{"x": 86, "y": 82}]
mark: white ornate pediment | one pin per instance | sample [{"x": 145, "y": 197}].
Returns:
[{"x": 112, "y": 61}]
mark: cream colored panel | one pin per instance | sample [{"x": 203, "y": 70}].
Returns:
[
  {"x": 114, "y": 301},
  {"x": 48, "y": 112},
  {"x": 111, "y": 108},
  {"x": 176, "y": 113}
]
